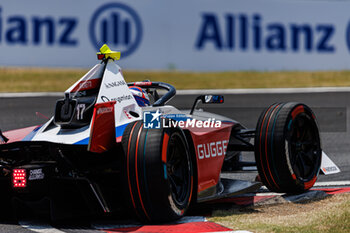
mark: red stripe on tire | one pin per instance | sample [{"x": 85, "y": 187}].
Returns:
[
  {"x": 189, "y": 199},
  {"x": 297, "y": 110},
  {"x": 260, "y": 149},
  {"x": 309, "y": 184},
  {"x": 128, "y": 165},
  {"x": 136, "y": 171},
  {"x": 267, "y": 159},
  {"x": 165, "y": 147}
]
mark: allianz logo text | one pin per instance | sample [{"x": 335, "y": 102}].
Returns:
[
  {"x": 243, "y": 32},
  {"x": 154, "y": 120},
  {"x": 20, "y": 30}
]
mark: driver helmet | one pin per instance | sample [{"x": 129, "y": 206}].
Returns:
[{"x": 140, "y": 96}]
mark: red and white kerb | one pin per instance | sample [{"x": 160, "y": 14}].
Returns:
[{"x": 19, "y": 178}]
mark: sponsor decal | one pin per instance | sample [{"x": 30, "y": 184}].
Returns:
[
  {"x": 155, "y": 121},
  {"x": 115, "y": 84},
  {"x": 330, "y": 169},
  {"x": 85, "y": 85},
  {"x": 118, "y": 99},
  {"x": 212, "y": 149},
  {"x": 122, "y": 98},
  {"x": 80, "y": 93},
  {"x": 104, "y": 110},
  {"x": 105, "y": 98},
  {"x": 142, "y": 83},
  {"x": 36, "y": 174},
  {"x": 117, "y": 25}
]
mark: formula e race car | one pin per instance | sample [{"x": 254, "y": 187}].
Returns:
[{"x": 102, "y": 153}]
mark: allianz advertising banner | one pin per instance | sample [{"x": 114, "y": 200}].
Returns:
[{"x": 203, "y": 35}]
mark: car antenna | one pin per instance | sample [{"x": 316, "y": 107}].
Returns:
[{"x": 40, "y": 115}]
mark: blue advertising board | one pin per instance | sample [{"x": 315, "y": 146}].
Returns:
[{"x": 199, "y": 35}]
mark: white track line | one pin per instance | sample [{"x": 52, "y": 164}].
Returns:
[
  {"x": 268, "y": 194},
  {"x": 317, "y": 184},
  {"x": 265, "y": 90},
  {"x": 39, "y": 227},
  {"x": 332, "y": 183}
]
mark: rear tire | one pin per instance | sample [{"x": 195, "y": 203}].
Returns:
[
  {"x": 157, "y": 172},
  {"x": 287, "y": 147}
]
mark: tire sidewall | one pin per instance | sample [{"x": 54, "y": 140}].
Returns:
[
  {"x": 307, "y": 112},
  {"x": 149, "y": 194},
  {"x": 273, "y": 151},
  {"x": 179, "y": 209}
]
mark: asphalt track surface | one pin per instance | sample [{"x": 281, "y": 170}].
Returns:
[{"x": 331, "y": 108}]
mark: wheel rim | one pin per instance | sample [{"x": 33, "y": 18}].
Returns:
[
  {"x": 304, "y": 147},
  {"x": 178, "y": 169}
]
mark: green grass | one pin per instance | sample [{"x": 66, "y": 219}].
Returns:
[
  {"x": 329, "y": 215},
  {"x": 40, "y": 80}
]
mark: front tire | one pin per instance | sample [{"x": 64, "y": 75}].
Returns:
[
  {"x": 157, "y": 172},
  {"x": 287, "y": 147}
]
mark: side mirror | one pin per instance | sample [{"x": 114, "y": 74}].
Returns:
[
  {"x": 212, "y": 99},
  {"x": 207, "y": 99}
]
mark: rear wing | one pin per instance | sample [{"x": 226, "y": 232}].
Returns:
[{"x": 95, "y": 111}]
